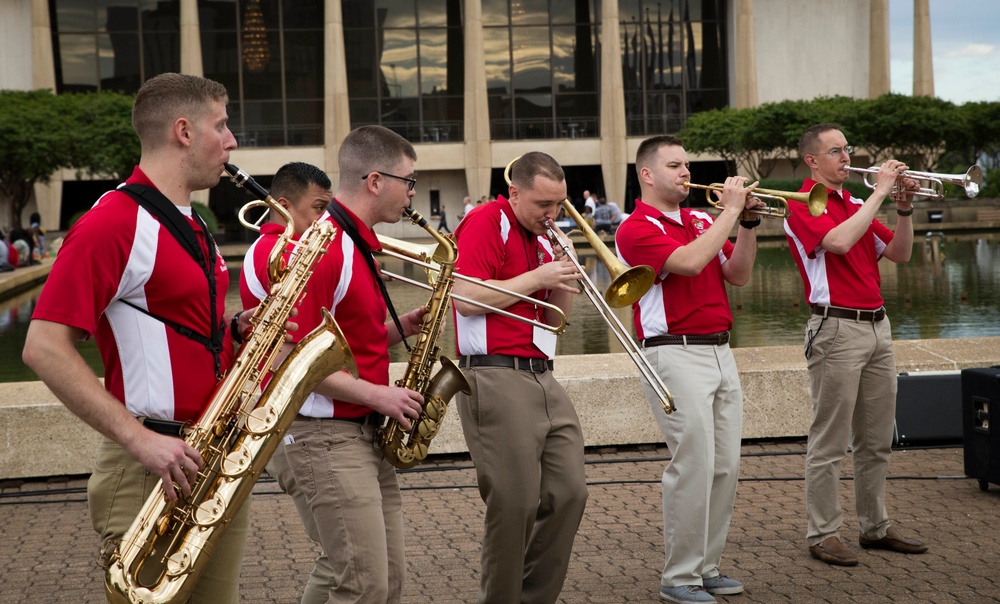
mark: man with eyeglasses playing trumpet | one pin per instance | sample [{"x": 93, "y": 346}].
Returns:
[
  {"x": 848, "y": 343},
  {"x": 683, "y": 323},
  {"x": 521, "y": 428}
]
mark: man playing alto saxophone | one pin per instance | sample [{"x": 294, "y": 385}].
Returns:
[
  {"x": 119, "y": 274},
  {"x": 347, "y": 492},
  {"x": 520, "y": 425}
]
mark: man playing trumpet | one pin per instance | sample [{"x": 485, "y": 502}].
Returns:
[
  {"x": 848, "y": 344},
  {"x": 683, "y": 323}
]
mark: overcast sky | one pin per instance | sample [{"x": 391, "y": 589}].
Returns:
[{"x": 965, "y": 35}]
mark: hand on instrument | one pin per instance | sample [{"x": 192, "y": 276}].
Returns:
[
  {"x": 558, "y": 274},
  {"x": 413, "y": 320},
  {"x": 557, "y": 244},
  {"x": 888, "y": 173},
  {"x": 400, "y": 404},
  {"x": 734, "y": 193},
  {"x": 903, "y": 194},
  {"x": 170, "y": 458}
]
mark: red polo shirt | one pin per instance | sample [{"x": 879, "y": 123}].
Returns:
[
  {"x": 676, "y": 304},
  {"x": 492, "y": 245},
  {"x": 849, "y": 280},
  {"x": 255, "y": 282},
  {"x": 342, "y": 282}
]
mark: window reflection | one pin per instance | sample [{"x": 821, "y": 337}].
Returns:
[{"x": 673, "y": 61}]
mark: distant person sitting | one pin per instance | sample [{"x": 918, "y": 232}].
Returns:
[
  {"x": 602, "y": 217},
  {"x": 24, "y": 241},
  {"x": 5, "y": 264},
  {"x": 616, "y": 214},
  {"x": 38, "y": 232}
]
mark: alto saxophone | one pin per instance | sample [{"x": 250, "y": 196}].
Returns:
[
  {"x": 406, "y": 449},
  {"x": 162, "y": 554}
]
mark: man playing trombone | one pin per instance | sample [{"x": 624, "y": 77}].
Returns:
[
  {"x": 683, "y": 323},
  {"x": 521, "y": 428},
  {"x": 848, "y": 343}
]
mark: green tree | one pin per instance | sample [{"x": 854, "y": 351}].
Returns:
[
  {"x": 34, "y": 143},
  {"x": 719, "y": 131},
  {"x": 104, "y": 145}
]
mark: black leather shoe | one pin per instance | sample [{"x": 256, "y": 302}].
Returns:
[
  {"x": 832, "y": 551},
  {"x": 893, "y": 541}
]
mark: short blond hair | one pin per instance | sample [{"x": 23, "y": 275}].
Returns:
[{"x": 163, "y": 99}]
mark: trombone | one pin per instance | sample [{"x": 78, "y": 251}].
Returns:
[
  {"x": 815, "y": 199},
  {"x": 427, "y": 256},
  {"x": 971, "y": 181},
  {"x": 628, "y": 285}
]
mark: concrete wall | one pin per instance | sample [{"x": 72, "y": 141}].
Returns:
[
  {"x": 15, "y": 45},
  {"x": 39, "y": 437}
]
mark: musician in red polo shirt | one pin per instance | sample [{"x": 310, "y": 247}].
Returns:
[
  {"x": 522, "y": 431},
  {"x": 848, "y": 345},
  {"x": 683, "y": 324}
]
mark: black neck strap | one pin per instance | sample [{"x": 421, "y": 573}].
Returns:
[
  {"x": 339, "y": 214},
  {"x": 157, "y": 204}
]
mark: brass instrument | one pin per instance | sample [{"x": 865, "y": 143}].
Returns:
[
  {"x": 815, "y": 199},
  {"x": 625, "y": 286},
  {"x": 428, "y": 257},
  {"x": 971, "y": 181},
  {"x": 163, "y": 553},
  {"x": 436, "y": 390}
]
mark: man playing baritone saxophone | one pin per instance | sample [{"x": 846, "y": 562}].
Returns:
[
  {"x": 346, "y": 491},
  {"x": 848, "y": 345},
  {"x": 683, "y": 324},
  {"x": 520, "y": 425},
  {"x": 119, "y": 274}
]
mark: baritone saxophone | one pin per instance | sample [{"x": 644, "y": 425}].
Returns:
[
  {"x": 405, "y": 449},
  {"x": 162, "y": 554}
]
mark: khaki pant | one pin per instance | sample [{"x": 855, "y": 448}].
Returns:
[
  {"x": 525, "y": 440},
  {"x": 349, "y": 500},
  {"x": 703, "y": 434},
  {"x": 117, "y": 490},
  {"x": 852, "y": 375}
]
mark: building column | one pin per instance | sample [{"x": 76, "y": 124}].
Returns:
[
  {"x": 48, "y": 197},
  {"x": 614, "y": 148},
  {"x": 191, "y": 39},
  {"x": 923, "y": 66},
  {"x": 878, "y": 49},
  {"x": 745, "y": 94},
  {"x": 336, "y": 108},
  {"x": 476, "y": 111}
]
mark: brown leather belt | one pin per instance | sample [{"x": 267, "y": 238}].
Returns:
[
  {"x": 868, "y": 316},
  {"x": 708, "y": 339},
  {"x": 502, "y": 360}
]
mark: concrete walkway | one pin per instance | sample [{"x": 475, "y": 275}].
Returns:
[{"x": 47, "y": 548}]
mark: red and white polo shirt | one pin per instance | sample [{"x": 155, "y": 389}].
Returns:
[{"x": 255, "y": 282}]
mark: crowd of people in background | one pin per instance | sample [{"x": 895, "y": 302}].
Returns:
[{"x": 22, "y": 247}]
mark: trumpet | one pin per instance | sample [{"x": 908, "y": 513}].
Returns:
[
  {"x": 628, "y": 286},
  {"x": 971, "y": 181},
  {"x": 815, "y": 199},
  {"x": 428, "y": 257}
]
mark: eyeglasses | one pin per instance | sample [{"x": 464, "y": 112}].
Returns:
[
  {"x": 410, "y": 182},
  {"x": 836, "y": 151}
]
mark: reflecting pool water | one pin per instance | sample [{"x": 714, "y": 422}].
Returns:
[{"x": 949, "y": 289}]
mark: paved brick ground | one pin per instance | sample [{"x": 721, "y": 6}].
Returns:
[{"x": 47, "y": 548}]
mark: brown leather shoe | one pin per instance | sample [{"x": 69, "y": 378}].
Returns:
[
  {"x": 832, "y": 551},
  {"x": 893, "y": 541}
]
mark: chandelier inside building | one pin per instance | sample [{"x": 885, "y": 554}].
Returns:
[{"x": 256, "y": 52}]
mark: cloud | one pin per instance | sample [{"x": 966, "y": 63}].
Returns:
[{"x": 973, "y": 50}]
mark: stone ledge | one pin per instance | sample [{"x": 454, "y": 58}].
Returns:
[{"x": 41, "y": 438}]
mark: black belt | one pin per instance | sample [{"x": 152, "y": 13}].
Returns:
[
  {"x": 869, "y": 316},
  {"x": 708, "y": 339},
  {"x": 502, "y": 360},
  {"x": 164, "y": 426}
]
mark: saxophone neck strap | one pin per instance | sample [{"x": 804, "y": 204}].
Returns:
[
  {"x": 340, "y": 216},
  {"x": 167, "y": 214}
]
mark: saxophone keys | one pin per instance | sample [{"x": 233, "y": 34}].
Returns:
[
  {"x": 179, "y": 563},
  {"x": 435, "y": 408},
  {"x": 237, "y": 462},
  {"x": 428, "y": 429},
  {"x": 211, "y": 511},
  {"x": 262, "y": 420}
]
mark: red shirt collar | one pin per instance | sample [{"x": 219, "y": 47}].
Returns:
[
  {"x": 644, "y": 209},
  {"x": 367, "y": 234}
]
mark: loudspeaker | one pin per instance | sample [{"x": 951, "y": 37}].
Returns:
[
  {"x": 980, "y": 396},
  {"x": 928, "y": 409}
]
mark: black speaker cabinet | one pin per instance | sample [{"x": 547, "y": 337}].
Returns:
[
  {"x": 981, "y": 396},
  {"x": 928, "y": 409}
]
